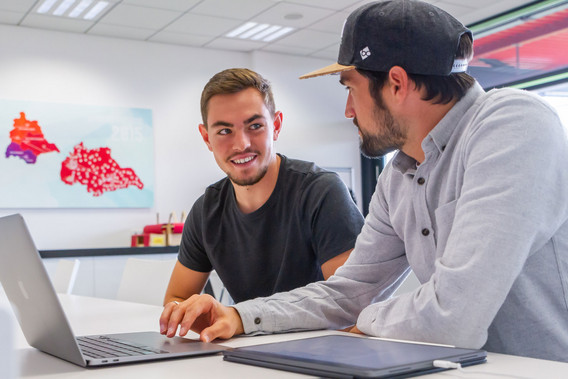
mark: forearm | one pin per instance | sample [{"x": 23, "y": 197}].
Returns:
[{"x": 333, "y": 304}]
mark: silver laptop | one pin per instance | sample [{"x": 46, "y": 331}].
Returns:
[{"x": 45, "y": 325}]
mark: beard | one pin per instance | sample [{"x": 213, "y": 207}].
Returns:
[
  {"x": 245, "y": 182},
  {"x": 249, "y": 181},
  {"x": 391, "y": 137}
]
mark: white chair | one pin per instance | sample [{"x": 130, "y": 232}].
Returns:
[
  {"x": 216, "y": 288},
  {"x": 65, "y": 274},
  {"x": 145, "y": 280}
]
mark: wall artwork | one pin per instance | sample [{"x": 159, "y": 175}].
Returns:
[{"x": 75, "y": 156}]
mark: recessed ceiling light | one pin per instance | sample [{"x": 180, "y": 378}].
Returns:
[
  {"x": 278, "y": 34},
  {"x": 96, "y": 10},
  {"x": 63, "y": 7},
  {"x": 73, "y": 8},
  {"x": 265, "y": 32},
  {"x": 46, "y": 6},
  {"x": 241, "y": 29},
  {"x": 84, "y": 4},
  {"x": 255, "y": 31}
]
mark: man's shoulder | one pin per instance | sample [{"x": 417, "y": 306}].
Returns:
[
  {"x": 305, "y": 175},
  {"x": 215, "y": 193},
  {"x": 301, "y": 167},
  {"x": 525, "y": 100}
]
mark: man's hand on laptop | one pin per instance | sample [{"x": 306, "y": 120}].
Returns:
[{"x": 202, "y": 314}]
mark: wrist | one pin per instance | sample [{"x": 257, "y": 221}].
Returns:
[{"x": 237, "y": 321}]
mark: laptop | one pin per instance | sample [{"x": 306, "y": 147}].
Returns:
[
  {"x": 351, "y": 356},
  {"x": 45, "y": 325}
]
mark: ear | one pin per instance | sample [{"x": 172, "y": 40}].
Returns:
[
  {"x": 277, "y": 124},
  {"x": 398, "y": 83},
  {"x": 205, "y": 135}
]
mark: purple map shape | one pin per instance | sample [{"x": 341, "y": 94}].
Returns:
[{"x": 16, "y": 151}]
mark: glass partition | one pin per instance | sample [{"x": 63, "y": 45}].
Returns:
[{"x": 529, "y": 44}]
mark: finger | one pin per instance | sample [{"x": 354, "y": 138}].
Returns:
[
  {"x": 219, "y": 329},
  {"x": 165, "y": 317},
  {"x": 197, "y": 307},
  {"x": 226, "y": 326},
  {"x": 176, "y": 316}
]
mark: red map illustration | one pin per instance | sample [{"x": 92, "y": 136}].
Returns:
[
  {"x": 96, "y": 169},
  {"x": 27, "y": 140}
]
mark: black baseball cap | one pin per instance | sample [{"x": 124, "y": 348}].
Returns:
[{"x": 412, "y": 34}]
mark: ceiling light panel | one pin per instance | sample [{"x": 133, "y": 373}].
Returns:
[
  {"x": 278, "y": 34},
  {"x": 96, "y": 10},
  {"x": 256, "y": 32},
  {"x": 251, "y": 32},
  {"x": 241, "y": 29},
  {"x": 265, "y": 32},
  {"x": 63, "y": 7},
  {"x": 46, "y": 6},
  {"x": 86, "y": 9},
  {"x": 80, "y": 8}
]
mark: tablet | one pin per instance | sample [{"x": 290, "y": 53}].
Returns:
[{"x": 350, "y": 356}]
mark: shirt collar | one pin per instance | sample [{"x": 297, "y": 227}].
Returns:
[
  {"x": 439, "y": 136},
  {"x": 443, "y": 131}
]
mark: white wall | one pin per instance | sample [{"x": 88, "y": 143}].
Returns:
[{"x": 39, "y": 65}]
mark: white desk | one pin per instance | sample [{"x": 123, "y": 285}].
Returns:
[{"x": 93, "y": 315}]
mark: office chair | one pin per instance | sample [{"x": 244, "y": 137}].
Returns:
[
  {"x": 145, "y": 280},
  {"x": 216, "y": 288},
  {"x": 65, "y": 274}
]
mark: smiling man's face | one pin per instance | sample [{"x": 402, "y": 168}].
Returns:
[{"x": 241, "y": 134}]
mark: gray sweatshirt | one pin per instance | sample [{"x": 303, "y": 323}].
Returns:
[{"x": 482, "y": 222}]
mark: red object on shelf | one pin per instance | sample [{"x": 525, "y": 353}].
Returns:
[{"x": 177, "y": 227}]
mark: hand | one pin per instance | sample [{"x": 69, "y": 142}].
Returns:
[
  {"x": 355, "y": 330},
  {"x": 202, "y": 314},
  {"x": 351, "y": 329}
]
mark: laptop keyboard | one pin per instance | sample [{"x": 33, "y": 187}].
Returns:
[{"x": 108, "y": 347}]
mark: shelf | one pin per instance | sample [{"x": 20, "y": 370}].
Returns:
[{"x": 68, "y": 253}]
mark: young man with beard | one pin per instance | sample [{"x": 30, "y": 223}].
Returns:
[
  {"x": 274, "y": 223},
  {"x": 474, "y": 202}
]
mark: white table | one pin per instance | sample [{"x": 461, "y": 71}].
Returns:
[{"x": 94, "y": 315}]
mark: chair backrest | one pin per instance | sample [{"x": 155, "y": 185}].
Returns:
[
  {"x": 65, "y": 274},
  {"x": 216, "y": 288},
  {"x": 145, "y": 280}
]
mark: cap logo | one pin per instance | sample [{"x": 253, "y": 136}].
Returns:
[{"x": 365, "y": 53}]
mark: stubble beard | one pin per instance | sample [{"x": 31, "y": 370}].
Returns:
[
  {"x": 249, "y": 181},
  {"x": 391, "y": 137}
]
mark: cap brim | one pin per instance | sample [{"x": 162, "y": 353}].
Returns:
[{"x": 331, "y": 69}]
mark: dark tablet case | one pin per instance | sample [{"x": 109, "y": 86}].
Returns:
[{"x": 349, "y": 356}]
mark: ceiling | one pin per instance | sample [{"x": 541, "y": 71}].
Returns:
[{"x": 204, "y": 23}]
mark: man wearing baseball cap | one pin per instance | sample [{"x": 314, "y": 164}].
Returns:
[{"x": 474, "y": 202}]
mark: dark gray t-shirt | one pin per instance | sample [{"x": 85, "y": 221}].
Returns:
[{"x": 309, "y": 218}]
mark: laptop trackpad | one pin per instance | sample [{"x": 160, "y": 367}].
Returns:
[{"x": 173, "y": 345}]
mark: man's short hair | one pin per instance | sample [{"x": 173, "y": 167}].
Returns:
[{"x": 235, "y": 80}]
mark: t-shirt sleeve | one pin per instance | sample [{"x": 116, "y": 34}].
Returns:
[
  {"x": 191, "y": 251},
  {"x": 334, "y": 219}
]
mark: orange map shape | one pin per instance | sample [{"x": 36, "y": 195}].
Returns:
[
  {"x": 96, "y": 169},
  {"x": 27, "y": 140}
]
